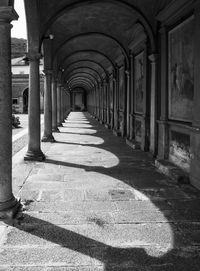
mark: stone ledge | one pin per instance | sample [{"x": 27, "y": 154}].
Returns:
[
  {"x": 133, "y": 144},
  {"x": 172, "y": 171}
]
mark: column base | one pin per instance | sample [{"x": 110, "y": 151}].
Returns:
[
  {"x": 48, "y": 138},
  {"x": 56, "y": 130},
  {"x": 9, "y": 209},
  {"x": 133, "y": 144},
  {"x": 34, "y": 156},
  {"x": 107, "y": 126},
  {"x": 116, "y": 132}
]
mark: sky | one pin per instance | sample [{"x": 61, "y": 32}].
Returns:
[{"x": 19, "y": 27}]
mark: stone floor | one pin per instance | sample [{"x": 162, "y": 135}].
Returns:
[{"x": 95, "y": 204}]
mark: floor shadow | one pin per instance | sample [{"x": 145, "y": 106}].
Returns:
[
  {"x": 135, "y": 168},
  {"x": 113, "y": 258},
  {"x": 92, "y": 132}
]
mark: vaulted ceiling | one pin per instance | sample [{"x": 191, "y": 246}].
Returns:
[{"x": 91, "y": 36}]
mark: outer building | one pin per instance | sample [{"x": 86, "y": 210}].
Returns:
[{"x": 20, "y": 83}]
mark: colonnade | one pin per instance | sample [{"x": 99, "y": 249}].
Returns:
[
  {"x": 55, "y": 109},
  {"x": 56, "y": 106},
  {"x": 114, "y": 102}
]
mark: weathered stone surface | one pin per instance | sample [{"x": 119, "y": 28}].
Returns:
[
  {"x": 44, "y": 256},
  {"x": 100, "y": 209}
]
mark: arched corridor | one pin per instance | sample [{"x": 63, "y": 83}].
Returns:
[{"x": 121, "y": 95}]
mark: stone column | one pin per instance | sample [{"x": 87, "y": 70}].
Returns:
[
  {"x": 34, "y": 152},
  {"x": 128, "y": 104},
  {"x": 98, "y": 99},
  {"x": 54, "y": 105},
  {"x": 48, "y": 137},
  {"x": 163, "y": 125},
  {"x": 63, "y": 104},
  {"x": 59, "y": 121},
  {"x": 108, "y": 103},
  {"x": 115, "y": 106},
  {"x": 104, "y": 101},
  {"x": 131, "y": 133},
  {"x": 8, "y": 203},
  {"x": 101, "y": 102},
  {"x": 153, "y": 112}
]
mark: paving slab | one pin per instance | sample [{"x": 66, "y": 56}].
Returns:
[{"x": 95, "y": 204}]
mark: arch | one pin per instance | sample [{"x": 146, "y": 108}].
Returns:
[
  {"x": 92, "y": 61},
  {"x": 86, "y": 75},
  {"x": 124, "y": 52},
  {"x": 80, "y": 82},
  {"x": 81, "y": 76},
  {"x": 88, "y": 51},
  {"x": 82, "y": 85},
  {"x": 121, "y": 3},
  {"x": 87, "y": 68}
]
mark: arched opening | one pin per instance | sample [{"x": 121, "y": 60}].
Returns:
[
  {"x": 78, "y": 99},
  {"x": 25, "y": 101}
]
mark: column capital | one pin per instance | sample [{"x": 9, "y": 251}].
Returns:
[
  {"x": 48, "y": 72},
  {"x": 153, "y": 57},
  {"x": 131, "y": 55},
  {"x": 127, "y": 73},
  {"x": 162, "y": 29},
  {"x": 55, "y": 78},
  {"x": 8, "y": 14},
  {"x": 33, "y": 56}
]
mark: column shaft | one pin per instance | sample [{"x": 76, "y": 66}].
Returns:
[
  {"x": 34, "y": 152},
  {"x": 131, "y": 134},
  {"x": 153, "y": 113},
  {"x": 128, "y": 104},
  {"x": 54, "y": 106},
  {"x": 163, "y": 141},
  {"x": 48, "y": 137},
  {"x": 59, "y": 121},
  {"x": 8, "y": 203}
]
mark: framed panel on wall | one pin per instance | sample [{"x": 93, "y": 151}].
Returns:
[
  {"x": 121, "y": 88},
  {"x": 181, "y": 71},
  {"x": 139, "y": 82}
]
